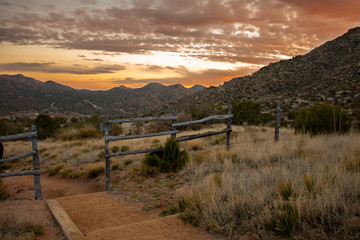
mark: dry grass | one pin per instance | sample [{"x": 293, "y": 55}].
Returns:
[
  {"x": 240, "y": 191},
  {"x": 16, "y": 227}
]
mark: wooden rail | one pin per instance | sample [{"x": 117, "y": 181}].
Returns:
[
  {"x": 34, "y": 153},
  {"x": 214, "y": 117},
  {"x": 107, "y": 125}
]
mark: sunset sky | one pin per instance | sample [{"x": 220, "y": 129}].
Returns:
[{"x": 100, "y": 44}]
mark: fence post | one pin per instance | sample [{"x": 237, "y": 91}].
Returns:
[
  {"x": 172, "y": 127},
  {"x": 228, "y": 129},
  {"x": 107, "y": 160},
  {"x": 36, "y": 164},
  {"x": 277, "y": 125}
]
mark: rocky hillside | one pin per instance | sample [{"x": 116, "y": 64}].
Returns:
[
  {"x": 329, "y": 73},
  {"x": 20, "y": 93}
]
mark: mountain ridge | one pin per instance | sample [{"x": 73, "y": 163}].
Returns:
[
  {"x": 328, "y": 73},
  {"x": 21, "y": 93}
]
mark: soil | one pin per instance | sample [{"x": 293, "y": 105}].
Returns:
[
  {"x": 98, "y": 215},
  {"x": 23, "y": 205}
]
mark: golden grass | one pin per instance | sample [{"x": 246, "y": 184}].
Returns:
[
  {"x": 323, "y": 172},
  {"x": 239, "y": 191},
  {"x": 16, "y": 227}
]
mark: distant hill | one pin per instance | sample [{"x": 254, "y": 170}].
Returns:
[
  {"x": 329, "y": 73},
  {"x": 20, "y": 93}
]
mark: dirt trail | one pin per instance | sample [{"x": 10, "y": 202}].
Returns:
[
  {"x": 51, "y": 187},
  {"x": 98, "y": 215},
  {"x": 101, "y": 216}
]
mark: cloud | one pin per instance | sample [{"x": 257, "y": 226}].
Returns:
[
  {"x": 51, "y": 67},
  {"x": 186, "y": 77},
  {"x": 227, "y": 31}
]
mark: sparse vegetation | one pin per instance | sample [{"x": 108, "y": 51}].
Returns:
[
  {"x": 95, "y": 172},
  {"x": 15, "y": 227},
  {"x": 55, "y": 170},
  {"x": 171, "y": 158},
  {"x": 270, "y": 189},
  {"x": 323, "y": 119}
]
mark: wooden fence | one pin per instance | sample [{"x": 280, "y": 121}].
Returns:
[
  {"x": 34, "y": 153},
  {"x": 172, "y": 133}
]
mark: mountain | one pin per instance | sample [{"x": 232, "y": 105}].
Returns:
[
  {"x": 197, "y": 88},
  {"x": 20, "y": 93},
  {"x": 329, "y": 73}
]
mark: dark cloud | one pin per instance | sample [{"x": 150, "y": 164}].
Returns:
[
  {"x": 51, "y": 67},
  {"x": 228, "y": 31}
]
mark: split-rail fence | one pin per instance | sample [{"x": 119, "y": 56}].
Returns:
[
  {"x": 34, "y": 153},
  {"x": 172, "y": 133}
]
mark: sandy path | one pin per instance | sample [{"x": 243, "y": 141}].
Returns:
[
  {"x": 51, "y": 187},
  {"x": 98, "y": 215},
  {"x": 101, "y": 216}
]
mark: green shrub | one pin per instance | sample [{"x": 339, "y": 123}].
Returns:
[
  {"x": 46, "y": 126},
  {"x": 93, "y": 173},
  {"x": 125, "y": 148},
  {"x": 246, "y": 111},
  {"x": 323, "y": 119},
  {"x": 66, "y": 172},
  {"x": 101, "y": 154},
  {"x": 127, "y": 162},
  {"x": 171, "y": 158},
  {"x": 285, "y": 217},
  {"x": 76, "y": 175},
  {"x": 115, "y": 149},
  {"x": 55, "y": 170}
]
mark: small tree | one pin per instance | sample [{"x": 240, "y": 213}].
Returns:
[
  {"x": 323, "y": 119},
  {"x": 246, "y": 111},
  {"x": 46, "y": 126}
]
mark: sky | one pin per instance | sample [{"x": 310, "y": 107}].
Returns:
[{"x": 101, "y": 44}]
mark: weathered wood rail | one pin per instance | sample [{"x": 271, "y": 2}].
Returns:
[
  {"x": 207, "y": 134},
  {"x": 34, "y": 153},
  {"x": 107, "y": 125}
]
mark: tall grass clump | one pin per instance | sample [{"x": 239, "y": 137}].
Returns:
[
  {"x": 264, "y": 189},
  {"x": 15, "y": 227},
  {"x": 83, "y": 132}
]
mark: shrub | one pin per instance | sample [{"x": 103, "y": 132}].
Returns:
[
  {"x": 88, "y": 131},
  {"x": 66, "y": 172},
  {"x": 115, "y": 149},
  {"x": 93, "y": 173},
  {"x": 46, "y": 126},
  {"x": 285, "y": 217},
  {"x": 246, "y": 111},
  {"x": 323, "y": 119},
  {"x": 54, "y": 170},
  {"x": 116, "y": 130},
  {"x": 76, "y": 175},
  {"x": 171, "y": 158},
  {"x": 125, "y": 148}
]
